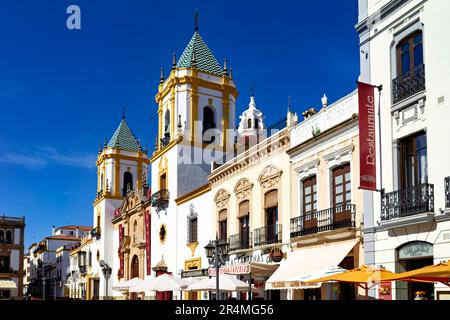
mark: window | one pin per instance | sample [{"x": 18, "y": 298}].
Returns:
[
  {"x": 167, "y": 123},
  {"x": 410, "y": 54},
  {"x": 135, "y": 232},
  {"x": 192, "y": 230},
  {"x": 223, "y": 225},
  {"x": 256, "y": 124},
  {"x": 244, "y": 231},
  {"x": 2, "y": 236},
  {"x": 249, "y": 123},
  {"x": 341, "y": 185},
  {"x": 271, "y": 210},
  {"x": 163, "y": 181},
  {"x": 208, "y": 123},
  {"x": 413, "y": 160},
  {"x": 4, "y": 263},
  {"x": 127, "y": 183},
  {"x": 9, "y": 238},
  {"x": 309, "y": 195}
]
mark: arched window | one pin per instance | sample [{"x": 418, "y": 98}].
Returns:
[
  {"x": 256, "y": 124},
  {"x": 2, "y": 236},
  {"x": 127, "y": 183},
  {"x": 167, "y": 123},
  {"x": 101, "y": 182},
  {"x": 208, "y": 123},
  {"x": 410, "y": 54},
  {"x": 192, "y": 225},
  {"x": 134, "y": 267},
  {"x": 249, "y": 123},
  {"x": 8, "y": 236}
]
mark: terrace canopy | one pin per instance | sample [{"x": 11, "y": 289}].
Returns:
[{"x": 303, "y": 262}]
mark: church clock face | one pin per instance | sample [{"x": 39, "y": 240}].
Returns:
[{"x": 162, "y": 233}]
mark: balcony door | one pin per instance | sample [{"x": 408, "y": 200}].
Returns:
[
  {"x": 163, "y": 182},
  {"x": 244, "y": 224},
  {"x": 410, "y": 55},
  {"x": 413, "y": 160},
  {"x": 309, "y": 203},
  {"x": 342, "y": 194},
  {"x": 271, "y": 216}
]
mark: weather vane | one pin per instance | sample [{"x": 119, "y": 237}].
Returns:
[
  {"x": 196, "y": 19},
  {"x": 123, "y": 112}
]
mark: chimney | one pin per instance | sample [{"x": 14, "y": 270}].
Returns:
[
  {"x": 53, "y": 230},
  {"x": 77, "y": 232}
]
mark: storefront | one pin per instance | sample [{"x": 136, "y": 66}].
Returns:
[
  {"x": 411, "y": 256},
  {"x": 315, "y": 260}
]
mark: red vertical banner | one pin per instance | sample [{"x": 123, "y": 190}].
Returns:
[
  {"x": 148, "y": 242},
  {"x": 367, "y": 142},
  {"x": 121, "y": 230}
]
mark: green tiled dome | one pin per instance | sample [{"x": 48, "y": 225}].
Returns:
[
  {"x": 124, "y": 138},
  {"x": 203, "y": 56}
]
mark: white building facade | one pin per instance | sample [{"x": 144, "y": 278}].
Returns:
[{"x": 407, "y": 224}]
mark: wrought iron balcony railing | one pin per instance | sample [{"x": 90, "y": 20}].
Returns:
[
  {"x": 408, "y": 84},
  {"x": 268, "y": 234},
  {"x": 407, "y": 202},
  {"x": 338, "y": 217},
  {"x": 160, "y": 198},
  {"x": 242, "y": 240},
  {"x": 447, "y": 192}
]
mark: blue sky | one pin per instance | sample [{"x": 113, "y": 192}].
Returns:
[{"x": 62, "y": 91}]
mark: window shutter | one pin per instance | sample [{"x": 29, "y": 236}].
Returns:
[
  {"x": 223, "y": 215},
  {"x": 271, "y": 199},
  {"x": 244, "y": 209}
]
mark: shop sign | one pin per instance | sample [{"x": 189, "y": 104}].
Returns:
[
  {"x": 415, "y": 250},
  {"x": 194, "y": 273},
  {"x": 231, "y": 269}
]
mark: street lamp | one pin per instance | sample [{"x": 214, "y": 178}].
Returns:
[
  {"x": 216, "y": 252},
  {"x": 106, "y": 273}
]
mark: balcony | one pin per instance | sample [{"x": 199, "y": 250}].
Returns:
[
  {"x": 268, "y": 235},
  {"x": 241, "y": 241},
  {"x": 447, "y": 192},
  {"x": 407, "y": 202},
  {"x": 408, "y": 84},
  {"x": 338, "y": 217},
  {"x": 160, "y": 198}
]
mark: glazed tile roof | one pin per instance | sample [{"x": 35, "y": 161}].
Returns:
[
  {"x": 124, "y": 138},
  {"x": 203, "y": 56}
]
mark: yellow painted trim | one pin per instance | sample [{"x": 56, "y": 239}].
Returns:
[
  {"x": 172, "y": 112},
  {"x": 161, "y": 152},
  {"x": 194, "y": 194}
]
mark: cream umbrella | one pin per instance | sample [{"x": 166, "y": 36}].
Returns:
[
  {"x": 162, "y": 283},
  {"x": 226, "y": 283},
  {"x": 126, "y": 285}
]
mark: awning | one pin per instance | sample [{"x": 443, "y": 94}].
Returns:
[
  {"x": 7, "y": 284},
  {"x": 304, "y": 261}
]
